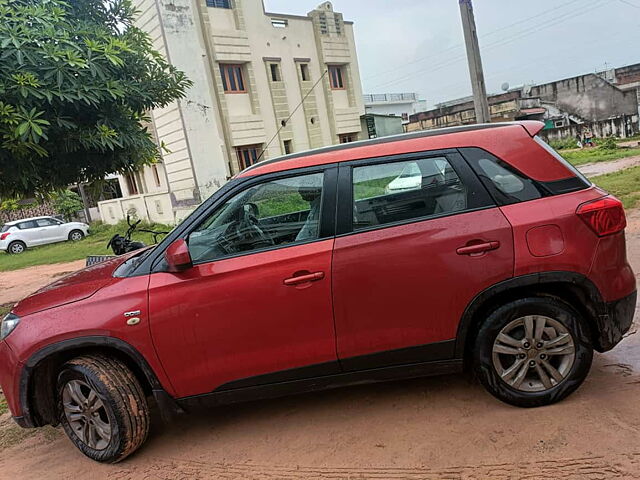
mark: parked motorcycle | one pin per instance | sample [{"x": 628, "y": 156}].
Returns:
[{"x": 120, "y": 244}]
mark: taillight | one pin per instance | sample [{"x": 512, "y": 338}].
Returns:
[
  {"x": 604, "y": 216},
  {"x": 4, "y": 235}
]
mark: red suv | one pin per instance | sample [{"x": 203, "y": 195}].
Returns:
[{"x": 391, "y": 258}]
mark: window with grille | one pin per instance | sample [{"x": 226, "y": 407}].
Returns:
[
  {"x": 348, "y": 137},
  {"x": 219, "y": 3},
  {"x": 232, "y": 78},
  {"x": 336, "y": 77},
  {"x": 248, "y": 155}
]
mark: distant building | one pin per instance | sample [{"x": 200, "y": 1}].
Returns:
[
  {"x": 399, "y": 104},
  {"x": 626, "y": 79},
  {"x": 605, "y": 106},
  {"x": 375, "y": 125},
  {"x": 251, "y": 71}
]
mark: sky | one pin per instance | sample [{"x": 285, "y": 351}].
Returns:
[{"x": 418, "y": 45}]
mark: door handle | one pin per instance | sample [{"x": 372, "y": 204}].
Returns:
[
  {"x": 478, "y": 248},
  {"x": 297, "y": 280}
]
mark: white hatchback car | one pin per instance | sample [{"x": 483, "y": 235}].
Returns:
[{"x": 17, "y": 236}]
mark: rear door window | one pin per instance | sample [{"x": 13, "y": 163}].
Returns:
[
  {"x": 27, "y": 225},
  {"x": 506, "y": 184},
  {"x": 402, "y": 191}
]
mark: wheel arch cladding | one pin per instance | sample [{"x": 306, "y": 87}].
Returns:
[
  {"x": 39, "y": 375},
  {"x": 571, "y": 287}
]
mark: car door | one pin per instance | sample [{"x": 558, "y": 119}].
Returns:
[
  {"x": 29, "y": 233},
  {"x": 48, "y": 230},
  {"x": 410, "y": 256},
  {"x": 255, "y": 308}
]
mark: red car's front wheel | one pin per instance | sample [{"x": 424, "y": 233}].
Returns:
[{"x": 103, "y": 409}]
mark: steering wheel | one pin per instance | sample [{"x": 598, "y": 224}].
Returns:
[{"x": 247, "y": 229}]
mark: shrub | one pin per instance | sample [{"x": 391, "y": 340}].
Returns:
[
  {"x": 564, "y": 144},
  {"x": 608, "y": 144},
  {"x": 67, "y": 203}
]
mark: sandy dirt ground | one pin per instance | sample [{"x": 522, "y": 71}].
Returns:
[
  {"x": 434, "y": 428},
  {"x": 601, "y": 168},
  {"x": 17, "y": 284}
]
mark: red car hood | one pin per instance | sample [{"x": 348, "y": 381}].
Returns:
[{"x": 71, "y": 288}]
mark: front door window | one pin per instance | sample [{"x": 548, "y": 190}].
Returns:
[{"x": 271, "y": 214}]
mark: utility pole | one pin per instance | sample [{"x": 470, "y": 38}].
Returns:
[{"x": 475, "y": 62}]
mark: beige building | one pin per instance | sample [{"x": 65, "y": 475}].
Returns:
[{"x": 264, "y": 84}]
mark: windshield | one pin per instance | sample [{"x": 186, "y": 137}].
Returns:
[{"x": 5, "y": 228}]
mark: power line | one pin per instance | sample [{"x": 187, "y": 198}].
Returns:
[
  {"x": 626, "y": 2},
  {"x": 530, "y": 60},
  {"x": 285, "y": 122},
  {"x": 504, "y": 41},
  {"x": 460, "y": 45}
]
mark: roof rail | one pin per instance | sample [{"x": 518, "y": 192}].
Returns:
[{"x": 392, "y": 138}]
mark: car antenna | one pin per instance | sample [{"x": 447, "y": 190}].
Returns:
[{"x": 285, "y": 122}]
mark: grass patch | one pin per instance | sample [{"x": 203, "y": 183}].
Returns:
[
  {"x": 592, "y": 155},
  {"x": 564, "y": 144},
  {"x": 11, "y": 434},
  {"x": 94, "y": 244},
  {"x": 4, "y": 309},
  {"x": 624, "y": 184},
  {"x": 371, "y": 188},
  {"x": 4, "y": 408}
]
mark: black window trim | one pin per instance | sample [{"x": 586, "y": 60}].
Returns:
[
  {"x": 344, "y": 221},
  {"x": 154, "y": 262},
  {"x": 491, "y": 189}
]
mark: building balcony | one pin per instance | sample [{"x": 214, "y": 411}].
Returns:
[{"x": 382, "y": 98}]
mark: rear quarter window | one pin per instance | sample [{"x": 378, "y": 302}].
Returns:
[
  {"x": 27, "y": 225},
  {"x": 5, "y": 228},
  {"x": 505, "y": 183}
]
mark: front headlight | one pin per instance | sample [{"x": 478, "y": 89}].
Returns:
[{"x": 9, "y": 323}]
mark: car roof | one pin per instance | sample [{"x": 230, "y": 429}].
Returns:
[
  {"x": 15, "y": 222},
  {"x": 490, "y": 137}
]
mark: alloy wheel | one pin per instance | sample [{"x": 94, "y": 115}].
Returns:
[
  {"x": 533, "y": 353},
  {"x": 17, "y": 248},
  {"x": 76, "y": 236},
  {"x": 86, "y": 414}
]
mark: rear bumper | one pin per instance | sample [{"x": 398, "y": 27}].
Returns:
[{"x": 614, "y": 321}]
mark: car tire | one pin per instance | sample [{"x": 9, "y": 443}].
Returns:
[
  {"x": 102, "y": 407},
  {"x": 559, "y": 350},
  {"x": 76, "y": 235},
  {"x": 16, "y": 248}
]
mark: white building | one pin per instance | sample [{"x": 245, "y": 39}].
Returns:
[
  {"x": 251, "y": 72},
  {"x": 398, "y": 104}
]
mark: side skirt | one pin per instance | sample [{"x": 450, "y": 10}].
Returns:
[{"x": 274, "y": 390}]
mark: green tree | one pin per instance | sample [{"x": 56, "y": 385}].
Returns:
[
  {"x": 76, "y": 78},
  {"x": 67, "y": 203}
]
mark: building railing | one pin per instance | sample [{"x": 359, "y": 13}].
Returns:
[{"x": 390, "y": 97}]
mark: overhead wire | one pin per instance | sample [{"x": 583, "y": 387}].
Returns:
[
  {"x": 504, "y": 41},
  {"x": 460, "y": 45}
]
